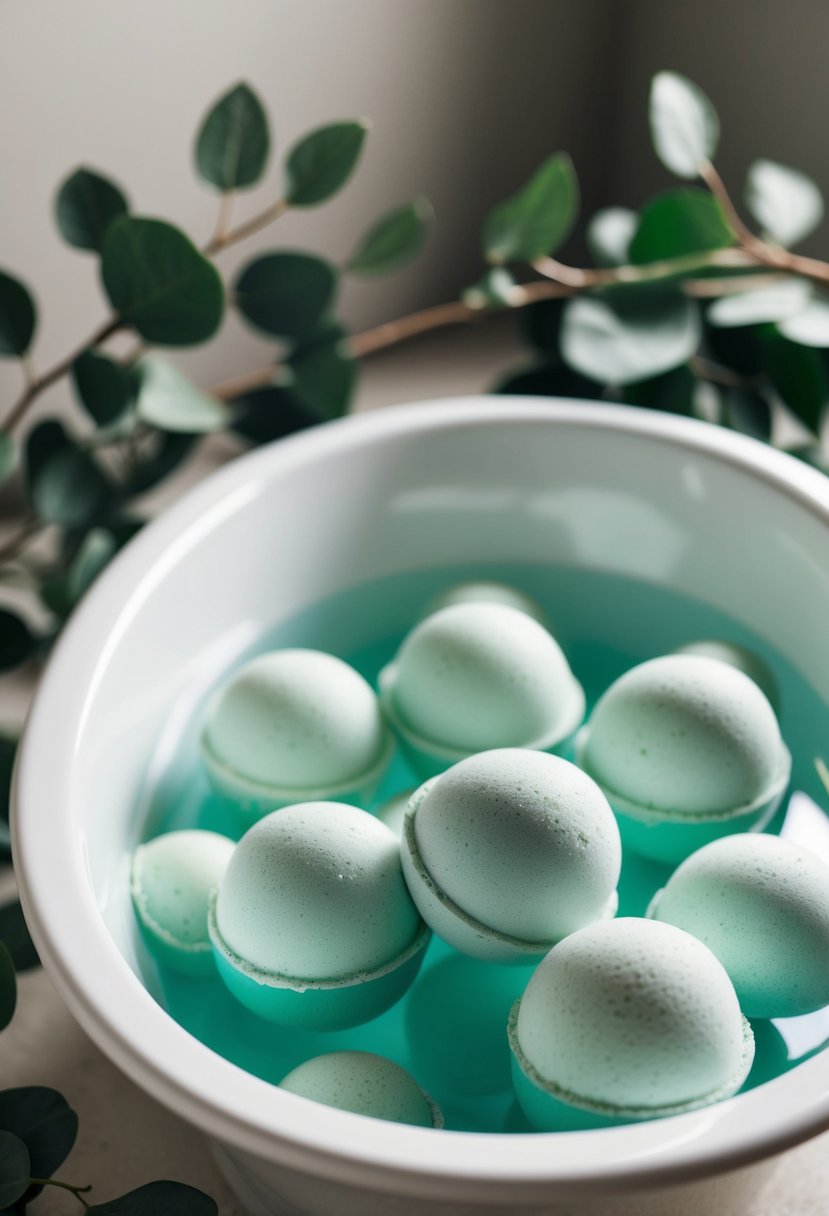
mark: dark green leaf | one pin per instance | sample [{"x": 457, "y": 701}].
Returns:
[
  {"x": 105, "y": 388},
  {"x": 17, "y": 317},
  {"x": 70, "y": 489},
  {"x": 786, "y": 203},
  {"x": 738, "y": 348},
  {"x": 494, "y": 289},
  {"x": 158, "y": 1199},
  {"x": 17, "y": 642},
  {"x": 96, "y": 550},
  {"x": 548, "y": 380},
  {"x": 14, "y": 933},
  {"x": 393, "y": 240},
  {"x": 266, "y": 414},
  {"x": 44, "y": 441},
  {"x": 684, "y": 125},
  {"x": 748, "y": 412},
  {"x": 160, "y": 283},
  {"x": 8, "y": 748},
  {"x": 286, "y": 294},
  {"x": 609, "y": 234},
  {"x": 168, "y": 400},
  {"x": 761, "y": 306},
  {"x": 324, "y": 373},
  {"x": 85, "y": 207},
  {"x": 629, "y": 338},
  {"x": 811, "y": 454},
  {"x": 322, "y": 162},
  {"x": 799, "y": 375},
  {"x": 44, "y": 1121},
  {"x": 540, "y": 325},
  {"x": 8, "y": 456},
  {"x": 8, "y": 1000},
  {"x": 672, "y": 393},
  {"x": 168, "y": 451},
  {"x": 538, "y": 219},
  {"x": 809, "y": 326},
  {"x": 15, "y": 1170},
  {"x": 680, "y": 222},
  {"x": 233, "y": 142}
]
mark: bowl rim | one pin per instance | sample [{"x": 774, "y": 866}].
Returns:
[{"x": 223, "y": 1100}]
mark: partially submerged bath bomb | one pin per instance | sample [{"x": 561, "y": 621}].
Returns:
[
  {"x": 488, "y": 593},
  {"x": 314, "y": 900},
  {"x": 476, "y": 676},
  {"x": 291, "y": 725},
  {"x": 740, "y": 657},
  {"x": 762, "y": 906},
  {"x": 172, "y": 879},
  {"x": 365, "y": 1084},
  {"x": 625, "y": 1020},
  {"x": 509, "y": 851}
]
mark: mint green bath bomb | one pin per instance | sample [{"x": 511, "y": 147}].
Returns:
[
  {"x": 476, "y": 675},
  {"x": 740, "y": 657},
  {"x": 294, "y": 720},
  {"x": 315, "y": 892},
  {"x": 762, "y": 906},
  {"x": 685, "y": 735},
  {"x": 487, "y": 593},
  {"x": 172, "y": 879},
  {"x": 630, "y": 1019},
  {"x": 364, "y": 1084}
]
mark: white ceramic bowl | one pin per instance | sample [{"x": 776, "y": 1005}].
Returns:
[{"x": 661, "y": 498}]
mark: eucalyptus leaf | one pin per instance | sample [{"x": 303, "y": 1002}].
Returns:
[
  {"x": 321, "y": 163},
  {"x": 680, "y": 222},
  {"x": 550, "y": 379},
  {"x": 17, "y": 642},
  {"x": 168, "y": 400},
  {"x": 393, "y": 240},
  {"x": 270, "y": 413},
  {"x": 799, "y": 375},
  {"x": 159, "y": 282},
  {"x": 157, "y": 1198},
  {"x": 541, "y": 326},
  {"x": 626, "y": 339},
  {"x": 44, "y": 440},
  {"x": 324, "y": 373},
  {"x": 14, "y": 933},
  {"x": 609, "y": 234},
  {"x": 70, "y": 488},
  {"x": 786, "y": 203},
  {"x": 684, "y": 126},
  {"x": 672, "y": 392},
  {"x": 15, "y": 1170},
  {"x": 233, "y": 141},
  {"x": 8, "y": 749},
  {"x": 95, "y": 552},
  {"x": 17, "y": 317},
  {"x": 809, "y": 326},
  {"x": 761, "y": 305},
  {"x": 749, "y": 412},
  {"x": 44, "y": 1121},
  {"x": 286, "y": 294},
  {"x": 105, "y": 388},
  {"x": 538, "y": 219},
  {"x": 8, "y": 456},
  {"x": 169, "y": 450},
  {"x": 85, "y": 206},
  {"x": 494, "y": 289}
]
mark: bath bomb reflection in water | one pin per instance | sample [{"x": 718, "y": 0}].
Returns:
[
  {"x": 364, "y": 1084},
  {"x": 624, "y": 1021}
]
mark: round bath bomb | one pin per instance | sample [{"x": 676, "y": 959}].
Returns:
[
  {"x": 476, "y": 676},
  {"x": 509, "y": 851},
  {"x": 740, "y": 657},
  {"x": 762, "y": 906},
  {"x": 626, "y": 1020},
  {"x": 487, "y": 593},
  {"x": 313, "y": 923},
  {"x": 689, "y": 742},
  {"x": 171, "y": 881},
  {"x": 294, "y": 725},
  {"x": 365, "y": 1084}
]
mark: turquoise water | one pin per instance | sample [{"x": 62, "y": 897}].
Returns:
[{"x": 449, "y": 1029}]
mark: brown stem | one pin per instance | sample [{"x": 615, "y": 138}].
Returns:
[
  {"x": 586, "y": 279},
  {"x": 221, "y": 240},
  {"x": 716, "y": 185},
  {"x": 16, "y": 544}
]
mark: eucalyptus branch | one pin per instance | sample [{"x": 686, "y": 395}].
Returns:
[
  {"x": 77, "y": 1191},
  {"x": 224, "y": 239}
]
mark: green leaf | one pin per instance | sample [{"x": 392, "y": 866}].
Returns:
[
  {"x": 761, "y": 306},
  {"x": 170, "y": 449},
  {"x": 609, "y": 234},
  {"x": 266, "y": 414},
  {"x": 159, "y": 282},
  {"x": 811, "y": 454},
  {"x": 671, "y": 393},
  {"x": 628, "y": 338},
  {"x": 69, "y": 488},
  {"x": 96, "y": 551},
  {"x": 8, "y": 456},
  {"x": 494, "y": 289},
  {"x": 233, "y": 141},
  {"x": 680, "y": 222},
  {"x": 799, "y": 375},
  {"x": 785, "y": 202},
  {"x": 393, "y": 240},
  {"x": 105, "y": 388},
  {"x": 158, "y": 1199},
  {"x": 548, "y": 380},
  {"x": 17, "y": 642},
  {"x": 168, "y": 400},
  {"x": 540, "y": 325},
  {"x": 85, "y": 207},
  {"x": 14, "y": 933},
  {"x": 739, "y": 348},
  {"x": 684, "y": 126},
  {"x": 324, "y": 373},
  {"x": 322, "y": 162},
  {"x": 17, "y": 317},
  {"x": 748, "y": 412},
  {"x": 8, "y": 748},
  {"x": 286, "y": 294},
  {"x": 810, "y": 326},
  {"x": 44, "y": 1121},
  {"x": 15, "y": 1170},
  {"x": 43, "y": 441},
  {"x": 538, "y": 219}
]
